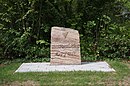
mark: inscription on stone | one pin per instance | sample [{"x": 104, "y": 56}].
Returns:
[{"x": 65, "y": 46}]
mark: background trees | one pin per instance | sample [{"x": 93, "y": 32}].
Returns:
[{"x": 103, "y": 25}]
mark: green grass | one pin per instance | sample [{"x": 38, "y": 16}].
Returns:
[{"x": 119, "y": 78}]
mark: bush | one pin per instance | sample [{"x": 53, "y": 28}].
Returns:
[{"x": 25, "y": 27}]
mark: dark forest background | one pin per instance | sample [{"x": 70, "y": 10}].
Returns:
[{"x": 104, "y": 27}]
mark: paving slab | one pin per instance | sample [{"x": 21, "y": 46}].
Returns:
[{"x": 47, "y": 67}]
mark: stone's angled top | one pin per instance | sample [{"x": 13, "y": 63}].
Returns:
[
  {"x": 64, "y": 29},
  {"x": 65, "y": 46},
  {"x": 64, "y": 35}
]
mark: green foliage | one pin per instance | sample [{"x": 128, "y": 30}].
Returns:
[
  {"x": 25, "y": 27},
  {"x": 115, "y": 42}
]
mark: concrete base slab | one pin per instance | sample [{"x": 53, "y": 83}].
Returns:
[{"x": 46, "y": 67}]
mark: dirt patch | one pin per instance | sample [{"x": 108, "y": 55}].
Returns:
[
  {"x": 1, "y": 65},
  {"x": 128, "y": 64},
  {"x": 25, "y": 83},
  {"x": 111, "y": 82}
]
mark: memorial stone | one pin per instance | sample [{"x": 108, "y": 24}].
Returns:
[{"x": 65, "y": 46}]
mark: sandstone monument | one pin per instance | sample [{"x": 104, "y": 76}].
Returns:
[
  {"x": 65, "y": 46},
  {"x": 65, "y": 55}
]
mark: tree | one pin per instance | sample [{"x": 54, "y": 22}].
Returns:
[{"x": 25, "y": 25}]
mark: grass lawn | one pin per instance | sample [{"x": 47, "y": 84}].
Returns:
[{"x": 81, "y": 78}]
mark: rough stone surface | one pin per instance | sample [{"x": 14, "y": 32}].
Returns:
[
  {"x": 46, "y": 67},
  {"x": 65, "y": 46}
]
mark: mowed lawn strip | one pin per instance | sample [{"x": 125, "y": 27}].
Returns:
[{"x": 120, "y": 77}]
